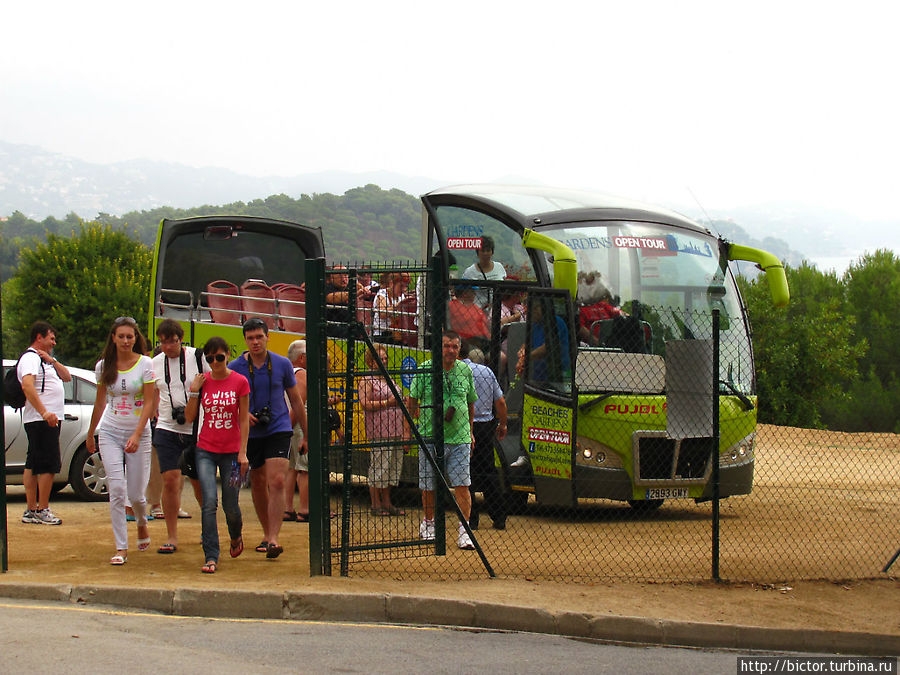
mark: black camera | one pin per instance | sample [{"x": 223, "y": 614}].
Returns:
[
  {"x": 178, "y": 415},
  {"x": 449, "y": 412},
  {"x": 263, "y": 416},
  {"x": 333, "y": 419}
]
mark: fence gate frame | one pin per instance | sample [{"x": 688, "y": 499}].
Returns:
[{"x": 321, "y": 547}]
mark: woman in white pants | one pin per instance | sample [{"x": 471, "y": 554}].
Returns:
[{"x": 126, "y": 393}]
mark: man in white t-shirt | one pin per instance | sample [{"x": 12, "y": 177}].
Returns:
[
  {"x": 175, "y": 367},
  {"x": 42, "y": 378},
  {"x": 486, "y": 269}
]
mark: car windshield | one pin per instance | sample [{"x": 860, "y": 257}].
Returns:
[{"x": 668, "y": 278}]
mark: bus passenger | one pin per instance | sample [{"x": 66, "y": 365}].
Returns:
[
  {"x": 387, "y": 321},
  {"x": 468, "y": 320},
  {"x": 485, "y": 269}
]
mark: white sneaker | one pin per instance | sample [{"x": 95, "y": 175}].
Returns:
[
  {"x": 46, "y": 517},
  {"x": 28, "y": 517},
  {"x": 521, "y": 460},
  {"x": 426, "y": 530},
  {"x": 464, "y": 541}
]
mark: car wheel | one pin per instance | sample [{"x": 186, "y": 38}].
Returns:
[
  {"x": 87, "y": 476},
  {"x": 645, "y": 505}
]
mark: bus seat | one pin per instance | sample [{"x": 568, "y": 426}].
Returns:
[
  {"x": 259, "y": 301},
  {"x": 224, "y": 301},
  {"x": 291, "y": 307}
]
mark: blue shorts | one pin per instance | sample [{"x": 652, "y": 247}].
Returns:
[
  {"x": 456, "y": 466},
  {"x": 169, "y": 448}
]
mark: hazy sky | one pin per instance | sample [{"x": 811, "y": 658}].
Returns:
[{"x": 739, "y": 103}]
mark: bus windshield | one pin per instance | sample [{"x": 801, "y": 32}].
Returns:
[{"x": 668, "y": 278}]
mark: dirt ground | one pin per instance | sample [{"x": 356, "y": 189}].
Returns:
[{"x": 824, "y": 506}]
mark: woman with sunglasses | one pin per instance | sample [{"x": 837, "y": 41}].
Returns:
[
  {"x": 221, "y": 443},
  {"x": 126, "y": 397}
]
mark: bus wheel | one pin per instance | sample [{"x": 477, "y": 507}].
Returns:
[
  {"x": 645, "y": 505},
  {"x": 517, "y": 500}
]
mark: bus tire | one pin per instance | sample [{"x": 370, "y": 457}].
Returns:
[{"x": 645, "y": 505}]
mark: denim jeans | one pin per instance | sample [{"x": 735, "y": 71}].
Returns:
[{"x": 206, "y": 473}]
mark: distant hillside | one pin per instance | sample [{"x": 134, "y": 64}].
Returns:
[{"x": 39, "y": 183}]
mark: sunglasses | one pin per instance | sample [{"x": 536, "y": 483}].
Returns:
[{"x": 215, "y": 357}]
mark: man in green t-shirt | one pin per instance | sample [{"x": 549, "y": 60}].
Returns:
[{"x": 458, "y": 413}]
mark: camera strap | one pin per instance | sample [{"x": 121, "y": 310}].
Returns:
[
  {"x": 181, "y": 368},
  {"x": 252, "y": 387}
]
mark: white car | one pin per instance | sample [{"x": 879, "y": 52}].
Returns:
[{"x": 82, "y": 471}]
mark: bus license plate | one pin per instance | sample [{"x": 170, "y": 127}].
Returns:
[{"x": 667, "y": 493}]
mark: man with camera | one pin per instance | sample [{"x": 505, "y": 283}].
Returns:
[
  {"x": 459, "y": 412},
  {"x": 271, "y": 376},
  {"x": 175, "y": 367}
]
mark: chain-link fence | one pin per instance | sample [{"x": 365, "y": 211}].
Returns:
[{"x": 609, "y": 442}]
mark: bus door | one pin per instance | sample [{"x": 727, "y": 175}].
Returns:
[{"x": 549, "y": 406}]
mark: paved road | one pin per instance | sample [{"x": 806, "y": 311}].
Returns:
[{"x": 55, "y": 638}]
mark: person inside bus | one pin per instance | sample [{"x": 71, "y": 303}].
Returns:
[
  {"x": 511, "y": 311},
  {"x": 387, "y": 320},
  {"x": 485, "y": 269},
  {"x": 468, "y": 320},
  {"x": 595, "y": 304},
  {"x": 337, "y": 299},
  {"x": 540, "y": 360}
]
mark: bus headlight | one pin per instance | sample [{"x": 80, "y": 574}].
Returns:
[
  {"x": 740, "y": 452},
  {"x": 589, "y": 452}
]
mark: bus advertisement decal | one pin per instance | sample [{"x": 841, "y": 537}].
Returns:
[{"x": 547, "y": 433}]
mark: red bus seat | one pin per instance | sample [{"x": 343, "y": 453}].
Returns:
[
  {"x": 224, "y": 301},
  {"x": 259, "y": 301},
  {"x": 291, "y": 307}
]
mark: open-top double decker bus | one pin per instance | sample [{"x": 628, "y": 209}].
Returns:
[{"x": 589, "y": 419}]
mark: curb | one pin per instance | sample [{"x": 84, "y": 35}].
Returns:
[{"x": 409, "y": 609}]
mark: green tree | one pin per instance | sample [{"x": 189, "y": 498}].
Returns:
[
  {"x": 806, "y": 353},
  {"x": 79, "y": 284},
  {"x": 873, "y": 292}
]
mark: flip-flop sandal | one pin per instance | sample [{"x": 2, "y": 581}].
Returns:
[
  {"x": 143, "y": 544},
  {"x": 156, "y": 514},
  {"x": 210, "y": 567},
  {"x": 263, "y": 547},
  {"x": 274, "y": 551},
  {"x": 183, "y": 514},
  {"x": 167, "y": 548},
  {"x": 302, "y": 517},
  {"x": 289, "y": 516},
  {"x": 235, "y": 551},
  {"x": 118, "y": 559},
  {"x": 394, "y": 511}
]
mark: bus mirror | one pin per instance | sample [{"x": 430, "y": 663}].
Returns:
[
  {"x": 771, "y": 265},
  {"x": 218, "y": 232},
  {"x": 565, "y": 268}
]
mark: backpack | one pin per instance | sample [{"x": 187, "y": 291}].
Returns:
[{"x": 13, "y": 394}]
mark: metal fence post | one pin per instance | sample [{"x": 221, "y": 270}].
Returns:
[
  {"x": 4, "y": 532},
  {"x": 715, "y": 446},
  {"x": 317, "y": 395},
  {"x": 437, "y": 297}
]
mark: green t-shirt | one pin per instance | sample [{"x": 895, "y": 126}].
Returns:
[{"x": 459, "y": 392}]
